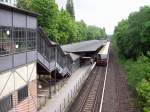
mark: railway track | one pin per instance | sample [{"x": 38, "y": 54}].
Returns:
[{"x": 89, "y": 98}]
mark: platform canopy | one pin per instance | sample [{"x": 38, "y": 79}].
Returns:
[{"x": 85, "y": 46}]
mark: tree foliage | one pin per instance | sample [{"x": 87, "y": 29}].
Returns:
[
  {"x": 25, "y": 4},
  {"x": 95, "y": 32},
  {"x": 70, "y": 8},
  {"x": 67, "y": 29},
  {"x": 143, "y": 90},
  {"x": 132, "y": 35},
  {"x": 132, "y": 38},
  {"x": 60, "y": 25}
]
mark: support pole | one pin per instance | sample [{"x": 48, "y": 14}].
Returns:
[{"x": 50, "y": 95}]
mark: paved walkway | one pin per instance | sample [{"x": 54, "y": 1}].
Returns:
[{"x": 61, "y": 100}]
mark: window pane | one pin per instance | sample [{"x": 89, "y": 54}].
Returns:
[
  {"x": 31, "y": 39},
  {"x": 19, "y": 40},
  {"x": 22, "y": 93},
  {"x": 6, "y": 104},
  {"x": 5, "y": 40}
]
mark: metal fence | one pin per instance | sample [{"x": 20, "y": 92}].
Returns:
[{"x": 70, "y": 97}]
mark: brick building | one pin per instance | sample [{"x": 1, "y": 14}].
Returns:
[{"x": 18, "y": 75}]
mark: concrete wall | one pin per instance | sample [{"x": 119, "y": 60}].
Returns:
[
  {"x": 9, "y": 18},
  {"x": 15, "y": 60},
  {"x": 13, "y": 80},
  {"x": 75, "y": 65}
]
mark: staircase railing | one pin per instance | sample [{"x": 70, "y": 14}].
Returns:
[{"x": 52, "y": 52}]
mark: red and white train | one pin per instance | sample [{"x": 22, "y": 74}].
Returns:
[{"x": 102, "y": 56}]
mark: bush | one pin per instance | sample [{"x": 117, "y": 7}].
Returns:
[
  {"x": 138, "y": 73},
  {"x": 143, "y": 90}
]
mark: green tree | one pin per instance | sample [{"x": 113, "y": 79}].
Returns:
[
  {"x": 48, "y": 18},
  {"x": 81, "y": 30},
  {"x": 94, "y": 32},
  {"x": 59, "y": 25},
  {"x": 70, "y": 8},
  {"x": 25, "y": 4},
  {"x": 67, "y": 31},
  {"x": 132, "y": 35},
  {"x": 119, "y": 36},
  {"x": 132, "y": 38}
]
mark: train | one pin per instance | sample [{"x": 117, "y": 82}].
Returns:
[{"x": 102, "y": 56}]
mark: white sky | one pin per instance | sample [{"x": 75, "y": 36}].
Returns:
[{"x": 104, "y": 13}]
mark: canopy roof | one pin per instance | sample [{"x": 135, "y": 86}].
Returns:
[{"x": 85, "y": 46}]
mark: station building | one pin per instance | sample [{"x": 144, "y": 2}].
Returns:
[
  {"x": 26, "y": 53},
  {"x": 18, "y": 75}
]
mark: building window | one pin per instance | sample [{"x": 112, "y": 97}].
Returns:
[
  {"x": 5, "y": 40},
  {"x": 31, "y": 39},
  {"x": 6, "y": 104},
  {"x": 22, "y": 93},
  {"x": 19, "y": 40}
]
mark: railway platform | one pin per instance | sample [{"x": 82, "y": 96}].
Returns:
[{"x": 62, "y": 99}]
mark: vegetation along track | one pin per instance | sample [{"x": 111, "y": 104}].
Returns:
[{"x": 89, "y": 98}]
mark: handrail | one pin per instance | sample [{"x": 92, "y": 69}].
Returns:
[
  {"x": 52, "y": 51},
  {"x": 32, "y": 40}
]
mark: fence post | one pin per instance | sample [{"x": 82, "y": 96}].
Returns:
[
  {"x": 74, "y": 89},
  {"x": 68, "y": 97},
  {"x": 71, "y": 93},
  {"x": 45, "y": 100},
  {"x": 64, "y": 103},
  {"x": 60, "y": 107}
]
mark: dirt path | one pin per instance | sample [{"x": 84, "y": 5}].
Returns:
[{"x": 117, "y": 95}]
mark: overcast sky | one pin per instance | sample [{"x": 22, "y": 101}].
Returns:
[{"x": 104, "y": 13}]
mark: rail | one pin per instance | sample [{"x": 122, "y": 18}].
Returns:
[{"x": 89, "y": 98}]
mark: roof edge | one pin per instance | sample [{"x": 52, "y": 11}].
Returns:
[{"x": 16, "y": 9}]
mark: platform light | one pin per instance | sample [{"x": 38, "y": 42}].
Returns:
[
  {"x": 40, "y": 86},
  {"x": 17, "y": 46},
  {"x": 8, "y": 32}
]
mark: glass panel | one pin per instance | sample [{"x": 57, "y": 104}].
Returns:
[
  {"x": 31, "y": 39},
  {"x": 5, "y": 40},
  {"x": 19, "y": 40},
  {"x": 22, "y": 93},
  {"x": 6, "y": 104}
]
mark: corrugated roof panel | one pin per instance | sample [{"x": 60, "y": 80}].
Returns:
[{"x": 91, "y": 45}]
